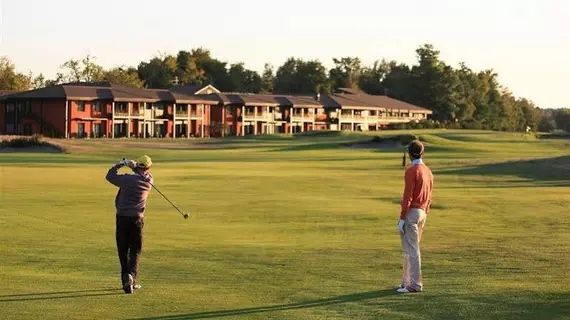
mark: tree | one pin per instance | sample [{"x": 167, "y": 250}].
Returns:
[
  {"x": 12, "y": 80},
  {"x": 312, "y": 78},
  {"x": 158, "y": 73},
  {"x": 127, "y": 76},
  {"x": 436, "y": 84},
  {"x": 296, "y": 76},
  {"x": 267, "y": 79},
  {"x": 398, "y": 83},
  {"x": 187, "y": 69},
  {"x": 487, "y": 99},
  {"x": 467, "y": 91},
  {"x": 85, "y": 70},
  {"x": 244, "y": 80},
  {"x": 562, "y": 118},
  {"x": 530, "y": 114},
  {"x": 286, "y": 77},
  {"x": 346, "y": 73},
  {"x": 215, "y": 72},
  {"x": 371, "y": 79}
]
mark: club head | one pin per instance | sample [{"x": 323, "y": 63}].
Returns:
[{"x": 186, "y": 216}]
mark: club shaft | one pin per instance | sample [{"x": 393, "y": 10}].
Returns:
[{"x": 166, "y": 198}]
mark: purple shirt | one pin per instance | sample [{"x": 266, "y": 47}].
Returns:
[{"x": 133, "y": 192}]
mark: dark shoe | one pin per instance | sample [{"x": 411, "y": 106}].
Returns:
[{"x": 128, "y": 283}]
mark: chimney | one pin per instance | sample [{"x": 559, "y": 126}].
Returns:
[{"x": 317, "y": 96}]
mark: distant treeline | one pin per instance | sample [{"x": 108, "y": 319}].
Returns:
[{"x": 459, "y": 97}]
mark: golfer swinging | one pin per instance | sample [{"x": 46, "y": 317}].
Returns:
[
  {"x": 415, "y": 206},
  {"x": 130, "y": 204}
]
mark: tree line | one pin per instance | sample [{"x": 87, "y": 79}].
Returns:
[{"x": 458, "y": 96}]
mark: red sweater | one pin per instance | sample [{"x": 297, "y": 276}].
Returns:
[{"x": 418, "y": 189}]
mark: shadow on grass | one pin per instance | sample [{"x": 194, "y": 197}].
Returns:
[
  {"x": 60, "y": 295},
  {"x": 553, "y": 170},
  {"x": 299, "y": 305}
]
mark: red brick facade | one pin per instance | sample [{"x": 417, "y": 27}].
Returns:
[{"x": 109, "y": 110}]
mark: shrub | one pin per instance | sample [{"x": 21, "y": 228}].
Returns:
[
  {"x": 23, "y": 142},
  {"x": 402, "y": 138}
]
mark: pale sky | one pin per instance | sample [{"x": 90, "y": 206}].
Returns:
[{"x": 526, "y": 42}]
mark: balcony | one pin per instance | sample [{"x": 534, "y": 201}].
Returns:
[
  {"x": 137, "y": 113},
  {"x": 121, "y": 113},
  {"x": 321, "y": 117},
  {"x": 98, "y": 114},
  {"x": 182, "y": 113}
]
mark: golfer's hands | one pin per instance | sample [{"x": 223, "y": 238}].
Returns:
[
  {"x": 128, "y": 163},
  {"x": 131, "y": 164},
  {"x": 401, "y": 226}
]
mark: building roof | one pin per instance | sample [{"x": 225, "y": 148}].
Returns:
[
  {"x": 5, "y": 93},
  {"x": 86, "y": 93},
  {"x": 198, "y": 99},
  {"x": 53, "y": 92},
  {"x": 105, "y": 90},
  {"x": 193, "y": 89},
  {"x": 269, "y": 100},
  {"x": 187, "y": 89},
  {"x": 352, "y": 98}
]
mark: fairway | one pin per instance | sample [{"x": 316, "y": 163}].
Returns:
[{"x": 290, "y": 227}]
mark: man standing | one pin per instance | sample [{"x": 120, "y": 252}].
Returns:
[
  {"x": 415, "y": 206},
  {"x": 130, "y": 204}
]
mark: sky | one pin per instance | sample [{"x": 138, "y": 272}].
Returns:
[{"x": 526, "y": 42}]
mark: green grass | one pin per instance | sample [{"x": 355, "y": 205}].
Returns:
[{"x": 291, "y": 227}]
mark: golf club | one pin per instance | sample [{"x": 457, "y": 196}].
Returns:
[{"x": 185, "y": 215}]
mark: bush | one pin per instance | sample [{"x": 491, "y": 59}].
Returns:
[
  {"x": 402, "y": 138},
  {"x": 472, "y": 124},
  {"x": 422, "y": 124},
  {"x": 23, "y": 142}
]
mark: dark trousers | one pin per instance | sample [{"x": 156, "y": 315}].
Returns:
[{"x": 129, "y": 235}]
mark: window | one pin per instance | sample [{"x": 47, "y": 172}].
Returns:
[
  {"x": 80, "y": 106},
  {"x": 28, "y": 129},
  {"x": 80, "y": 130},
  {"x": 229, "y": 131},
  {"x": 97, "y": 106},
  {"x": 96, "y": 130},
  {"x": 28, "y": 107}
]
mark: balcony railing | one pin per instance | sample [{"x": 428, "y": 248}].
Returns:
[
  {"x": 121, "y": 113},
  {"x": 321, "y": 117},
  {"x": 181, "y": 113}
]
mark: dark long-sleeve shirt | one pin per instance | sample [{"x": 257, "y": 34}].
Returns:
[{"x": 133, "y": 192}]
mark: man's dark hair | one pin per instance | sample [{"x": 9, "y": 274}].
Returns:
[{"x": 415, "y": 149}]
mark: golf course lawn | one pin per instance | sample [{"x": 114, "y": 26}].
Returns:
[{"x": 290, "y": 227}]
